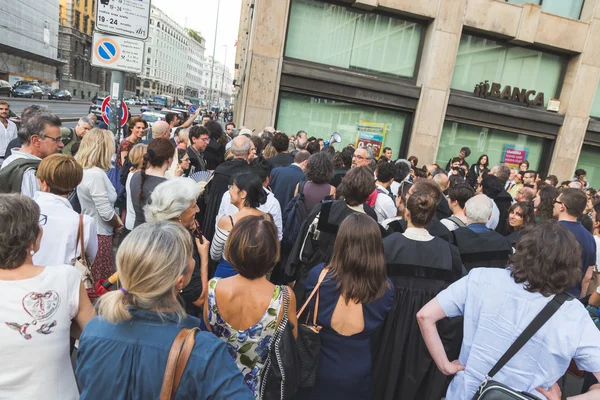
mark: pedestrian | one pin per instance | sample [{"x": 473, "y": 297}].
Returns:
[
  {"x": 8, "y": 130},
  {"x": 385, "y": 203},
  {"x": 498, "y": 304},
  {"x": 40, "y": 307},
  {"x": 97, "y": 196},
  {"x": 460, "y": 161},
  {"x": 214, "y": 154},
  {"x": 457, "y": 199},
  {"x": 342, "y": 162},
  {"x": 543, "y": 203},
  {"x": 175, "y": 200},
  {"x": 362, "y": 157},
  {"x": 476, "y": 169},
  {"x": 249, "y": 306},
  {"x": 318, "y": 172},
  {"x": 157, "y": 160},
  {"x": 285, "y": 180},
  {"x": 520, "y": 216},
  {"x": 130, "y": 340},
  {"x": 199, "y": 139},
  {"x": 59, "y": 175},
  {"x": 136, "y": 159},
  {"x": 72, "y": 136},
  {"x": 524, "y": 165},
  {"x": 355, "y": 286},
  {"x": 137, "y": 127}
]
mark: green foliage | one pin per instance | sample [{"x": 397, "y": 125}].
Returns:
[{"x": 197, "y": 36}]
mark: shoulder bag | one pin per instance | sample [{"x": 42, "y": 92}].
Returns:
[
  {"x": 309, "y": 343},
  {"x": 80, "y": 262},
  {"x": 493, "y": 390},
  {"x": 180, "y": 352}
]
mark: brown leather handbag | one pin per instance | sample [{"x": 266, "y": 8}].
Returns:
[{"x": 181, "y": 349}]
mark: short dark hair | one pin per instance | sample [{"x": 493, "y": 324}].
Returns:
[
  {"x": 574, "y": 201},
  {"x": 36, "y": 124},
  {"x": 524, "y": 162},
  {"x": 252, "y": 185},
  {"x": 319, "y": 168},
  {"x": 134, "y": 121},
  {"x": 170, "y": 117},
  {"x": 206, "y": 116},
  {"x": 252, "y": 247},
  {"x": 196, "y": 131},
  {"x": 492, "y": 186},
  {"x": 347, "y": 157},
  {"x": 259, "y": 144},
  {"x": 280, "y": 141},
  {"x": 580, "y": 171},
  {"x": 385, "y": 171},
  {"x": 466, "y": 150},
  {"x": 553, "y": 180},
  {"x": 357, "y": 185},
  {"x": 386, "y": 149},
  {"x": 313, "y": 147},
  {"x": 461, "y": 192},
  {"x": 547, "y": 259},
  {"x": 261, "y": 167},
  {"x": 421, "y": 206},
  {"x": 402, "y": 170},
  {"x": 455, "y": 159},
  {"x": 229, "y": 123},
  {"x": 530, "y": 171},
  {"x": 329, "y": 150},
  {"x": 20, "y": 227},
  {"x": 214, "y": 129},
  {"x": 429, "y": 186},
  {"x": 301, "y": 156}
]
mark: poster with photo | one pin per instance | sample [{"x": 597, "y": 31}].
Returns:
[{"x": 371, "y": 134}]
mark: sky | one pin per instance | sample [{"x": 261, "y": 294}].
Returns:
[{"x": 201, "y": 16}]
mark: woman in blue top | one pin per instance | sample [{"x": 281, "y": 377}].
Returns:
[
  {"x": 354, "y": 299},
  {"x": 123, "y": 352}
]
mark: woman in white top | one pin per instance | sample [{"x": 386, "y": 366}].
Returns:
[
  {"x": 498, "y": 304},
  {"x": 37, "y": 307},
  {"x": 97, "y": 196},
  {"x": 136, "y": 158},
  {"x": 58, "y": 175}
]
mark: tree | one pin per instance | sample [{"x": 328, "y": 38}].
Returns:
[{"x": 197, "y": 36}]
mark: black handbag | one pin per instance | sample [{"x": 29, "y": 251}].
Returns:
[
  {"x": 280, "y": 374},
  {"x": 492, "y": 390},
  {"x": 309, "y": 343}
]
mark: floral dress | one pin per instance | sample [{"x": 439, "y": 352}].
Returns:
[{"x": 249, "y": 347}]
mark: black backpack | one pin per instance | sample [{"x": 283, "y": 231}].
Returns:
[{"x": 293, "y": 217}]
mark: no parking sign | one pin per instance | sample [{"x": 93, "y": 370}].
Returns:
[{"x": 106, "y": 111}]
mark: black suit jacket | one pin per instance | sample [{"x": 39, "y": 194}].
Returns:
[
  {"x": 284, "y": 181},
  {"x": 195, "y": 162},
  {"x": 214, "y": 154},
  {"x": 281, "y": 160}
]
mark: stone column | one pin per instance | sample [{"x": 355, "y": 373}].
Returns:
[{"x": 576, "y": 97}]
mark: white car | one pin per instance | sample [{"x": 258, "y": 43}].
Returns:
[
  {"x": 152, "y": 117},
  {"x": 130, "y": 102}
]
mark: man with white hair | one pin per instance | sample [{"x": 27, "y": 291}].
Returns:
[
  {"x": 478, "y": 245},
  {"x": 70, "y": 136},
  {"x": 241, "y": 148},
  {"x": 362, "y": 157},
  {"x": 161, "y": 130}
]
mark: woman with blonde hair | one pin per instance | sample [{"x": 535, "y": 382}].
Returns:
[
  {"x": 97, "y": 196},
  {"x": 130, "y": 340},
  {"x": 136, "y": 158}
]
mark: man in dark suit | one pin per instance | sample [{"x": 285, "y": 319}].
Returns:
[
  {"x": 199, "y": 138},
  {"x": 241, "y": 147},
  {"x": 281, "y": 143},
  {"x": 284, "y": 179}
]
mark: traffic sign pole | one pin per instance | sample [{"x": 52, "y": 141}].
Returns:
[{"x": 116, "y": 96}]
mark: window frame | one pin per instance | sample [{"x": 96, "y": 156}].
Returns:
[{"x": 558, "y": 15}]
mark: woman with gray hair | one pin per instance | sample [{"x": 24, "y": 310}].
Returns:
[
  {"x": 38, "y": 306},
  {"x": 176, "y": 200},
  {"x": 130, "y": 341}
]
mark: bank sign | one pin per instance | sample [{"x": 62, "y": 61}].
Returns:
[{"x": 523, "y": 96}]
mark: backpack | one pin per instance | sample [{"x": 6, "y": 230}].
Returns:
[
  {"x": 11, "y": 176},
  {"x": 293, "y": 217},
  {"x": 67, "y": 135}
]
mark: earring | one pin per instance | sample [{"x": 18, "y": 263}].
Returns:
[{"x": 32, "y": 252}]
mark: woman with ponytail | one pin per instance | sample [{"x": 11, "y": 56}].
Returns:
[
  {"x": 123, "y": 352},
  {"x": 157, "y": 160}
]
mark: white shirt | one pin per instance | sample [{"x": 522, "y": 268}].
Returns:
[
  {"x": 59, "y": 239},
  {"x": 29, "y": 184},
  {"x": 271, "y": 206},
  {"x": 417, "y": 234},
  {"x": 97, "y": 197},
  {"x": 492, "y": 223},
  {"x": 34, "y": 325},
  {"x": 384, "y": 205},
  {"x": 7, "y": 134},
  {"x": 130, "y": 216},
  {"x": 452, "y": 225},
  {"x": 597, "y": 239}
]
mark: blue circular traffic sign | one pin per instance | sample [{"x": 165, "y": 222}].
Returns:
[{"x": 107, "y": 51}]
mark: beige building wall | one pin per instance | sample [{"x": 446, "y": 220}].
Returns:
[{"x": 259, "y": 62}]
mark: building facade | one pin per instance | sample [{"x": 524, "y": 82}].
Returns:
[
  {"x": 222, "y": 84},
  {"x": 29, "y": 41},
  {"x": 194, "y": 73},
  {"x": 429, "y": 77}
]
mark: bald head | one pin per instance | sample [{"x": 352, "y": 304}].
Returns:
[
  {"x": 526, "y": 194},
  {"x": 240, "y": 147},
  {"x": 160, "y": 130},
  {"x": 442, "y": 181},
  {"x": 478, "y": 209}
]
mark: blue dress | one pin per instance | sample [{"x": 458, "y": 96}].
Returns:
[{"x": 345, "y": 364}]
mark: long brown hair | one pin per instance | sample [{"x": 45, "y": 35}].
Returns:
[
  {"x": 360, "y": 272},
  {"x": 158, "y": 151}
]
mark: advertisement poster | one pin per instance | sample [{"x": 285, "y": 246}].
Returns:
[
  {"x": 371, "y": 134},
  {"x": 513, "y": 156}
]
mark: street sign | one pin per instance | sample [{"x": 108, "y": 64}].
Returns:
[
  {"x": 117, "y": 53},
  {"x": 106, "y": 111},
  {"x": 201, "y": 92},
  {"x": 192, "y": 109},
  {"x": 124, "y": 17}
]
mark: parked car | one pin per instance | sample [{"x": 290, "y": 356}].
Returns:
[
  {"x": 5, "y": 89},
  {"x": 60, "y": 94},
  {"x": 30, "y": 91},
  {"x": 130, "y": 102},
  {"x": 96, "y": 108},
  {"x": 152, "y": 117}
]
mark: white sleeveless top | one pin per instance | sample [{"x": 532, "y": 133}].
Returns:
[{"x": 35, "y": 319}]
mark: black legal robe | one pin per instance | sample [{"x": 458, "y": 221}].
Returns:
[
  {"x": 487, "y": 249},
  {"x": 435, "y": 228},
  {"x": 402, "y": 366}
]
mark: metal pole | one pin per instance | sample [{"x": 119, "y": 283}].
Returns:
[
  {"x": 212, "y": 70},
  {"x": 223, "y": 79},
  {"x": 116, "y": 95}
]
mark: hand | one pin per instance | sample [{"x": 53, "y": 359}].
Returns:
[
  {"x": 553, "y": 394},
  {"x": 117, "y": 230},
  {"x": 203, "y": 247},
  {"x": 451, "y": 368},
  {"x": 179, "y": 171}
]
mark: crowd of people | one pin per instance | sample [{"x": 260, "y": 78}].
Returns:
[{"x": 415, "y": 280}]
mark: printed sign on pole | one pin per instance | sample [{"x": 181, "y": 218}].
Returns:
[
  {"x": 117, "y": 53},
  {"x": 124, "y": 17},
  {"x": 192, "y": 109},
  {"x": 106, "y": 111}
]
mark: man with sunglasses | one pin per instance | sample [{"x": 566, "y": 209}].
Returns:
[
  {"x": 40, "y": 137},
  {"x": 569, "y": 205}
]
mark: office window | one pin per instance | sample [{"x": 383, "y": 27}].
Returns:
[
  {"x": 481, "y": 59},
  {"x": 564, "y": 8},
  {"x": 339, "y": 36},
  {"x": 77, "y": 20}
]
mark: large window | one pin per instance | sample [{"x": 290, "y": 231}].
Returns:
[
  {"x": 564, "y": 8},
  {"x": 481, "y": 59},
  {"x": 499, "y": 146},
  {"x": 335, "y": 35},
  {"x": 588, "y": 160},
  {"x": 595, "y": 111},
  {"x": 321, "y": 117}
]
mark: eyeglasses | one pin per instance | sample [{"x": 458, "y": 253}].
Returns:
[
  {"x": 559, "y": 202},
  {"x": 55, "y": 139},
  {"x": 360, "y": 157},
  {"x": 43, "y": 219},
  {"x": 205, "y": 139}
]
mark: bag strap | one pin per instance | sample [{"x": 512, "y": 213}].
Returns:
[
  {"x": 316, "y": 288},
  {"x": 301, "y": 189},
  {"x": 79, "y": 243},
  {"x": 180, "y": 352},
  {"x": 534, "y": 326},
  {"x": 457, "y": 221}
]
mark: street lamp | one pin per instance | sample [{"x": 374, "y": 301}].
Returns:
[
  {"x": 223, "y": 78},
  {"x": 212, "y": 70}
]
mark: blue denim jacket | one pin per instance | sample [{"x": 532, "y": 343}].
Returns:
[{"x": 127, "y": 360}]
